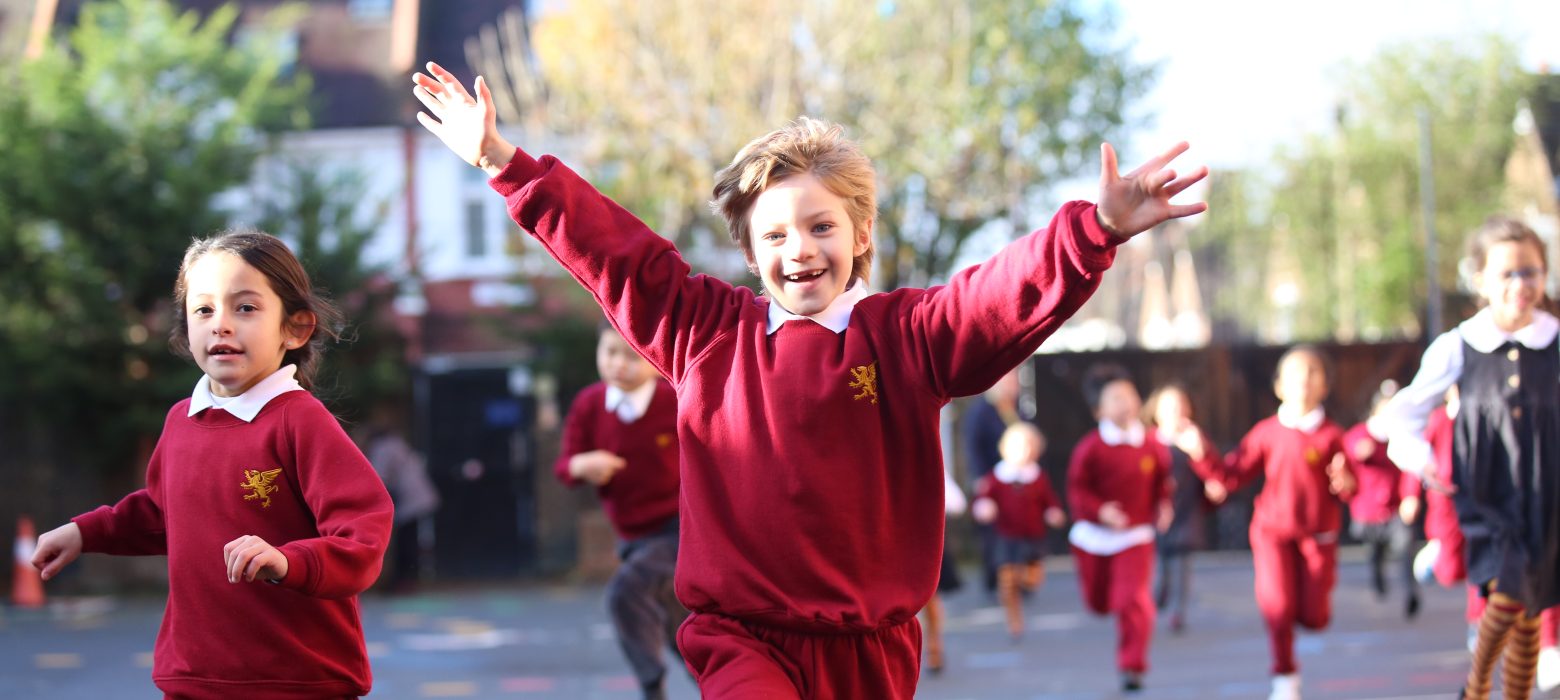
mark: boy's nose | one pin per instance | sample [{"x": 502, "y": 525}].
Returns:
[{"x": 804, "y": 247}]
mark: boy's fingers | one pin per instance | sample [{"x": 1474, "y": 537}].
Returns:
[
  {"x": 1176, "y": 187},
  {"x": 428, "y": 121},
  {"x": 1162, "y": 159},
  {"x": 429, "y": 100},
  {"x": 1108, "y": 172},
  {"x": 1179, "y": 210}
]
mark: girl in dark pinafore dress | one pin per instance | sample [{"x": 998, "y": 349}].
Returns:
[{"x": 1505, "y": 361}]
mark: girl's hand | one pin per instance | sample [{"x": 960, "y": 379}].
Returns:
[
  {"x": 1140, "y": 200},
  {"x": 1214, "y": 490},
  {"x": 1189, "y": 439},
  {"x": 984, "y": 511},
  {"x": 1055, "y": 517},
  {"x": 597, "y": 466},
  {"x": 1408, "y": 510},
  {"x": 1339, "y": 479},
  {"x": 56, "y": 549},
  {"x": 1112, "y": 516},
  {"x": 250, "y": 557},
  {"x": 468, "y": 125},
  {"x": 1166, "y": 516}
]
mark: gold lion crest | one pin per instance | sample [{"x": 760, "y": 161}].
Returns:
[
  {"x": 865, "y": 379},
  {"x": 260, "y": 485}
]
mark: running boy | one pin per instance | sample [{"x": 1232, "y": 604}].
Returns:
[
  {"x": 621, "y": 437},
  {"x": 807, "y": 418}
]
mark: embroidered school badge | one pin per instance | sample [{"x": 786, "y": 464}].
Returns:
[
  {"x": 260, "y": 486},
  {"x": 1312, "y": 457},
  {"x": 664, "y": 440},
  {"x": 1146, "y": 464},
  {"x": 865, "y": 379}
]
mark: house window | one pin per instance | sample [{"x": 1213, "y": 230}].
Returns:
[{"x": 476, "y": 229}]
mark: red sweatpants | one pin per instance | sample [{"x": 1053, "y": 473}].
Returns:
[
  {"x": 1120, "y": 584},
  {"x": 1294, "y": 582},
  {"x": 730, "y": 658}
]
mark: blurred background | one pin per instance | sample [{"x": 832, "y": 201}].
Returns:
[{"x": 1353, "y": 144}]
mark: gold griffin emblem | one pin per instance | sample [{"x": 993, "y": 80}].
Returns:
[
  {"x": 865, "y": 379},
  {"x": 259, "y": 482},
  {"x": 1147, "y": 464}
]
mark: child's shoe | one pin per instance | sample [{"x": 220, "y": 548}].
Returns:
[
  {"x": 1548, "y": 669},
  {"x": 1131, "y": 681},
  {"x": 1286, "y": 687}
]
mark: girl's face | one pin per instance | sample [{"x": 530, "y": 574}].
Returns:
[
  {"x": 1170, "y": 412},
  {"x": 237, "y": 326},
  {"x": 1302, "y": 381},
  {"x": 618, "y": 364},
  {"x": 1021, "y": 448},
  {"x": 1512, "y": 282},
  {"x": 804, "y": 243}
]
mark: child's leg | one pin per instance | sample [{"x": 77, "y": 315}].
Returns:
[
  {"x": 1012, "y": 599},
  {"x": 933, "y": 633},
  {"x": 1521, "y": 657},
  {"x": 1500, "y": 613},
  {"x": 1033, "y": 576},
  {"x": 636, "y": 600},
  {"x": 1402, "y": 538},
  {"x": 1277, "y": 564},
  {"x": 1093, "y": 581},
  {"x": 1132, "y": 598},
  {"x": 1318, "y": 576},
  {"x": 1376, "y": 543},
  {"x": 729, "y": 661}
]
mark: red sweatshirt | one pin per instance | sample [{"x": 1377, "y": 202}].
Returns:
[
  {"x": 1296, "y": 500},
  {"x": 1020, "y": 507},
  {"x": 1136, "y": 477},
  {"x": 1381, "y": 486},
  {"x": 811, "y": 466},
  {"x": 209, "y": 481},
  {"x": 641, "y": 497},
  {"x": 1440, "y": 512}
]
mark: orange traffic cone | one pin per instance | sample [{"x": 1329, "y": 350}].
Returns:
[{"x": 26, "y": 583}]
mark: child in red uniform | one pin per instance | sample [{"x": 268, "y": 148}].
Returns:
[
  {"x": 812, "y": 514},
  {"x": 1118, "y": 487},
  {"x": 1192, "y": 459},
  {"x": 1295, "y": 522},
  {"x": 621, "y": 436},
  {"x": 1017, "y": 497},
  {"x": 1376, "y": 511},
  {"x": 252, "y": 468}
]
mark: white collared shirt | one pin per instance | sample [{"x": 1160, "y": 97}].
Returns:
[
  {"x": 1291, "y": 417},
  {"x": 1409, "y": 410},
  {"x": 630, "y": 405},
  {"x": 1113, "y": 435},
  {"x": 247, "y": 405},
  {"x": 1010, "y": 473},
  {"x": 835, "y": 318}
]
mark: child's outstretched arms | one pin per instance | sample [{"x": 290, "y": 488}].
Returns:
[
  {"x": 1140, "y": 200},
  {"x": 468, "y": 125}
]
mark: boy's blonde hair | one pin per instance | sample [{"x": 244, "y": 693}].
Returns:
[{"x": 806, "y": 145}]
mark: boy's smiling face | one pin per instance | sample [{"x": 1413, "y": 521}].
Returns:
[{"x": 804, "y": 243}]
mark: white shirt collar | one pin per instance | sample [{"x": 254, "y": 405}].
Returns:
[
  {"x": 1113, "y": 434},
  {"x": 1307, "y": 423},
  {"x": 1483, "y": 335},
  {"x": 630, "y": 405},
  {"x": 1009, "y": 473},
  {"x": 835, "y": 318},
  {"x": 247, "y": 405}
]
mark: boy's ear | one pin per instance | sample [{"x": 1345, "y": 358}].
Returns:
[
  {"x": 863, "y": 239},
  {"x": 298, "y": 329}
]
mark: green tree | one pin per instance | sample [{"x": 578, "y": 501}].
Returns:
[
  {"x": 1346, "y": 204},
  {"x": 117, "y": 144},
  {"x": 968, "y": 108}
]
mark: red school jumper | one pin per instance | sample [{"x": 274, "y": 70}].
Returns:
[
  {"x": 209, "y": 481},
  {"x": 1294, "y": 528},
  {"x": 1381, "y": 486},
  {"x": 641, "y": 498},
  {"x": 812, "y": 479},
  {"x": 1137, "y": 477},
  {"x": 1021, "y": 506}
]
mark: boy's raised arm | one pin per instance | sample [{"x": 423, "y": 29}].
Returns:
[
  {"x": 991, "y": 316},
  {"x": 637, "y": 277}
]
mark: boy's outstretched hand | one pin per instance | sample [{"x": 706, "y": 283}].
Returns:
[
  {"x": 56, "y": 548},
  {"x": 468, "y": 125},
  {"x": 249, "y": 557},
  {"x": 1140, "y": 200}
]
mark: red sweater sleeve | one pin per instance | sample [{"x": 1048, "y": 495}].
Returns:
[
  {"x": 1248, "y": 460},
  {"x": 135, "y": 525},
  {"x": 1048, "y": 498},
  {"x": 992, "y": 316},
  {"x": 1083, "y": 499},
  {"x": 352, "y": 511},
  {"x": 576, "y": 433},
  {"x": 636, "y": 276}
]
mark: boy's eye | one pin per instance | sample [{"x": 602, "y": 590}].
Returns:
[
  {"x": 246, "y": 307},
  {"x": 772, "y": 236},
  {"x": 200, "y": 310},
  {"x": 824, "y": 227}
]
